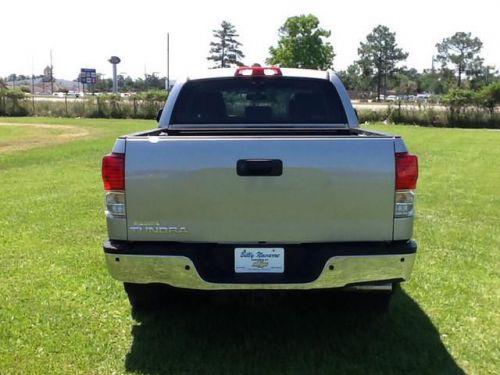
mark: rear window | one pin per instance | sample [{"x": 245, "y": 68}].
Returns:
[{"x": 258, "y": 100}]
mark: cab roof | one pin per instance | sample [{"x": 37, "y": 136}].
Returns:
[{"x": 284, "y": 72}]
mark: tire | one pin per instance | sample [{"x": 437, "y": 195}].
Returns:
[{"x": 147, "y": 296}]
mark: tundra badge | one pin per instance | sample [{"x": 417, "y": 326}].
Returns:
[{"x": 157, "y": 228}]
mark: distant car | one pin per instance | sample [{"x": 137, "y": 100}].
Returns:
[
  {"x": 423, "y": 96},
  {"x": 406, "y": 97},
  {"x": 391, "y": 98}
]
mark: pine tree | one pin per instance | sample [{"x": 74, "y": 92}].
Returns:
[
  {"x": 224, "y": 51},
  {"x": 380, "y": 53},
  {"x": 461, "y": 50}
]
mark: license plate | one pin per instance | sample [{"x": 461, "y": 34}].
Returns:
[{"x": 259, "y": 260}]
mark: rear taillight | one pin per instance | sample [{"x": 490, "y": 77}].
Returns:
[
  {"x": 113, "y": 177},
  {"x": 113, "y": 172},
  {"x": 406, "y": 171},
  {"x": 406, "y": 182}
]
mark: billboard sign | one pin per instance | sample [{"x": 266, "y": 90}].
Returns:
[{"x": 88, "y": 76}]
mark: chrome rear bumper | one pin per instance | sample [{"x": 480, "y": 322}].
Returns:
[{"x": 338, "y": 271}]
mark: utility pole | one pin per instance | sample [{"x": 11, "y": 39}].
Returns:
[
  {"x": 51, "y": 75},
  {"x": 168, "y": 63},
  {"x": 32, "y": 75}
]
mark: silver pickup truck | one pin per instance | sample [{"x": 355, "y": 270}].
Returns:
[{"x": 259, "y": 178}]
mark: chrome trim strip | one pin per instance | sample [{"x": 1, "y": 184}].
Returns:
[{"x": 179, "y": 271}]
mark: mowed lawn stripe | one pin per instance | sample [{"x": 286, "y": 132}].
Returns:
[
  {"x": 55, "y": 292},
  {"x": 457, "y": 276}
]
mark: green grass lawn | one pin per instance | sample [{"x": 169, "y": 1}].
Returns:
[{"x": 60, "y": 312}]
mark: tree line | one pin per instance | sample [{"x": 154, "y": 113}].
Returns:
[
  {"x": 302, "y": 43},
  {"x": 461, "y": 80},
  {"x": 125, "y": 83}
]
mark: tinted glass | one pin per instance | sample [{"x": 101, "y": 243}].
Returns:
[{"x": 258, "y": 100}]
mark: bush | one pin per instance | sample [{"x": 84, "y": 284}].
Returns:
[
  {"x": 147, "y": 104},
  {"x": 465, "y": 108},
  {"x": 457, "y": 100},
  {"x": 144, "y": 105},
  {"x": 489, "y": 97},
  {"x": 107, "y": 106},
  {"x": 13, "y": 103},
  {"x": 463, "y": 112}
]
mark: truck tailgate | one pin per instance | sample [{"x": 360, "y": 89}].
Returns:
[{"x": 187, "y": 189}]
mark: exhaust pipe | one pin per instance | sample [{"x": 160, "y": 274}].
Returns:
[{"x": 386, "y": 288}]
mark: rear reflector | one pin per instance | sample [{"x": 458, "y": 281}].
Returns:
[
  {"x": 405, "y": 201},
  {"x": 113, "y": 172},
  {"x": 115, "y": 203},
  {"x": 406, "y": 171},
  {"x": 247, "y": 71}
]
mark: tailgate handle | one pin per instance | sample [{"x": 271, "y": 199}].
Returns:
[{"x": 259, "y": 167}]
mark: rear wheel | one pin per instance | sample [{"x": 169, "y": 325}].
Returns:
[{"x": 147, "y": 296}]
